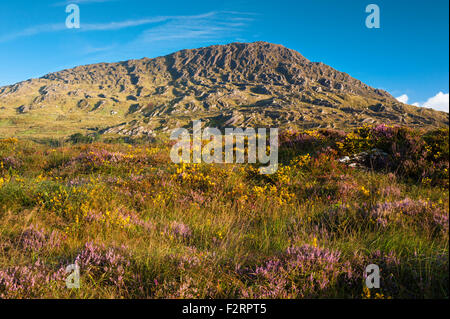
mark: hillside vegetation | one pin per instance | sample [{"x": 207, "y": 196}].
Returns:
[{"x": 140, "y": 226}]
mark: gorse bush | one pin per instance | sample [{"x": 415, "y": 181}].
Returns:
[
  {"x": 78, "y": 138},
  {"x": 139, "y": 226},
  {"x": 415, "y": 154}
]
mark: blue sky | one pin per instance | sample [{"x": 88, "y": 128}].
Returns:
[{"x": 408, "y": 56}]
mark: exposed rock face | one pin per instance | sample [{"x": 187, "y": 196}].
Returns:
[{"x": 237, "y": 84}]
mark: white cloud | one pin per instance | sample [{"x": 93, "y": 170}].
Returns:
[
  {"x": 403, "y": 98},
  {"x": 439, "y": 102}
]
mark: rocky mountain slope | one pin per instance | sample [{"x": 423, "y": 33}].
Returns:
[{"x": 240, "y": 84}]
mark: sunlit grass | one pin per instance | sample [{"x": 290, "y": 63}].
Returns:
[{"x": 203, "y": 231}]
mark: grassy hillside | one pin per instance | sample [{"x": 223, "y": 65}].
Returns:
[{"x": 141, "y": 227}]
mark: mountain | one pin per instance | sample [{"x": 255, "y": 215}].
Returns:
[{"x": 239, "y": 84}]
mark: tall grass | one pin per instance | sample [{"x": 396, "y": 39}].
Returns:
[{"x": 142, "y": 227}]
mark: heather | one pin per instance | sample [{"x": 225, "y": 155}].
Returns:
[{"x": 140, "y": 226}]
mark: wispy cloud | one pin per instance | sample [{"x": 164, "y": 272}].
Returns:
[
  {"x": 48, "y": 28},
  {"x": 120, "y": 25},
  {"x": 43, "y": 28},
  {"x": 194, "y": 26},
  {"x": 89, "y": 49},
  {"x": 212, "y": 25},
  {"x": 171, "y": 34}
]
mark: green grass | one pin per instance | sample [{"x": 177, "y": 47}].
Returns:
[{"x": 206, "y": 234}]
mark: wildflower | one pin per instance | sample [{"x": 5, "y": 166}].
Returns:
[
  {"x": 315, "y": 242},
  {"x": 365, "y": 191}
]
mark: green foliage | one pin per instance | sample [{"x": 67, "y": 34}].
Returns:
[
  {"x": 79, "y": 138},
  {"x": 143, "y": 227}
]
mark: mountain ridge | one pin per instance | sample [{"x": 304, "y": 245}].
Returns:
[{"x": 239, "y": 84}]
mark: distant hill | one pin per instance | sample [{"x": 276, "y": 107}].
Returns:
[{"x": 239, "y": 84}]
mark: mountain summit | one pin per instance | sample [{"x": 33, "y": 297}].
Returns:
[{"x": 239, "y": 84}]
